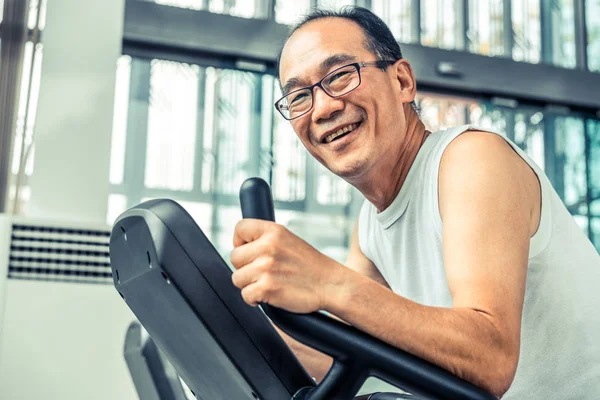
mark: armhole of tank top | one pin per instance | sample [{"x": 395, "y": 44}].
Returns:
[
  {"x": 362, "y": 223},
  {"x": 539, "y": 241},
  {"x": 435, "y": 172}
]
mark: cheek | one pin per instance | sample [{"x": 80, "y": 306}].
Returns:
[
  {"x": 302, "y": 129},
  {"x": 388, "y": 109}
]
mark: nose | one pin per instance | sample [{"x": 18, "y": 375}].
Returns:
[{"x": 325, "y": 106}]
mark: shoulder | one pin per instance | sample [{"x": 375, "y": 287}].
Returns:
[
  {"x": 483, "y": 165},
  {"x": 475, "y": 142},
  {"x": 474, "y": 152}
]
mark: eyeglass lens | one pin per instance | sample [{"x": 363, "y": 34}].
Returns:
[{"x": 337, "y": 83}]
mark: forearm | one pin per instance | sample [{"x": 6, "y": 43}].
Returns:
[
  {"x": 464, "y": 341},
  {"x": 316, "y": 363}
]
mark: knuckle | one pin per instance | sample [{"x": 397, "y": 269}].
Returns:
[
  {"x": 267, "y": 263},
  {"x": 269, "y": 286},
  {"x": 266, "y": 284},
  {"x": 269, "y": 247},
  {"x": 275, "y": 238},
  {"x": 268, "y": 267},
  {"x": 236, "y": 280},
  {"x": 278, "y": 228},
  {"x": 238, "y": 225},
  {"x": 233, "y": 257},
  {"x": 279, "y": 231},
  {"x": 271, "y": 241},
  {"x": 246, "y": 295},
  {"x": 249, "y": 296}
]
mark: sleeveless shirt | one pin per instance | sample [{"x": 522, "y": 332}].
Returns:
[{"x": 560, "y": 331}]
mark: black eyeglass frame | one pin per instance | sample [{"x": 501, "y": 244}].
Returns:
[{"x": 358, "y": 65}]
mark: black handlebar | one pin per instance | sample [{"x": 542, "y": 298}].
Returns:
[
  {"x": 356, "y": 354},
  {"x": 256, "y": 200}
]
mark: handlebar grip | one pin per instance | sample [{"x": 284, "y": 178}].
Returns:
[{"x": 256, "y": 200}]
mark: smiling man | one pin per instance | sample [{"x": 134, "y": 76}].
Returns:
[{"x": 462, "y": 254}]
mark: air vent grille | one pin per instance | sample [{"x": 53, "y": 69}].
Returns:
[{"x": 59, "y": 254}]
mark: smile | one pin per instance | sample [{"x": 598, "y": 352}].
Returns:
[{"x": 340, "y": 132}]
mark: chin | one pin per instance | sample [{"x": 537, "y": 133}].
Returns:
[{"x": 348, "y": 170}]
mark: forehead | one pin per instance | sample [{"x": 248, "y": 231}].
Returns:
[{"x": 317, "y": 40}]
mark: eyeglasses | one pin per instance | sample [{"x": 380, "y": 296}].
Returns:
[{"x": 337, "y": 83}]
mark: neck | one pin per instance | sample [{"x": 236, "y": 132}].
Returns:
[{"x": 382, "y": 192}]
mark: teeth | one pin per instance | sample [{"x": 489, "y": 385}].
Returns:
[{"x": 340, "y": 132}]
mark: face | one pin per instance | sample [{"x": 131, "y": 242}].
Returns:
[{"x": 371, "y": 118}]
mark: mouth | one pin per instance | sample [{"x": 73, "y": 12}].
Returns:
[{"x": 340, "y": 133}]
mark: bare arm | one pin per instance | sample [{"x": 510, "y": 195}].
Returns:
[
  {"x": 489, "y": 202},
  {"x": 487, "y": 198},
  {"x": 316, "y": 363}
]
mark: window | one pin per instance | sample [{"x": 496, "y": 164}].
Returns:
[
  {"x": 527, "y": 30},
  {"x": 237, "y": 128},
  {"x": 331, "y": 190},
  {"x": 441, "y": 112},
  {"x": 23, "y": 146},
  {"x": 172, "y": 117},
  {"x": 529, "y": 133},
  {"x": 397, "y": 14},
  {"x": 562, "y": 32},
  {"x": 334, "y": 4},
  {"x": 237, "y": 8},
  {"x": 194, "y": 134},
  {"x": 498, "y": 119},
  {"x": 119, "y": 130},
  {"x": 37, "y": 14},
  {"x": 288, "y": 12},
  {"x": 290, "y": 157},
  {"x": 486, "y": 27},
  {"x": 523, "y": 126},
  {"x": 593, "y": 164},
  {"x": 190, "y": 4},
  {"x": 439, "y": 23},
  {"x": 592, "y": 11},
  {"x": 566, "y": 165}
]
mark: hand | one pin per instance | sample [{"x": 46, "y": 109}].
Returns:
[{"x": 275, "y": 266}]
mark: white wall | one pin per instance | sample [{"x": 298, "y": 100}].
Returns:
[
  {"x": 82, "y": 41},
  {"x": 4, "y": 251},
  {"x": 64, "y": 341}
]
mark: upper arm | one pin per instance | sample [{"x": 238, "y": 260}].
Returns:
[
  {"x": 486, "y": 193},
  {"x": 358, "y": 262}
]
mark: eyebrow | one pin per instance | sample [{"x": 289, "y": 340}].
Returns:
[{"x": 325, "y": 65}]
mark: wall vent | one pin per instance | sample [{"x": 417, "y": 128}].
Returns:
[{"x": 52, "y": 253}]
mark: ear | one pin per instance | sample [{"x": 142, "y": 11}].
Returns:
[{"x": 407, "y": 85}]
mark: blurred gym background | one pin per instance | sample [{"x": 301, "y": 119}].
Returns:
[{"x": 106, "y": 104}]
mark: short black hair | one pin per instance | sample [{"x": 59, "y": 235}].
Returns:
[{"x": 378, "y": 38}]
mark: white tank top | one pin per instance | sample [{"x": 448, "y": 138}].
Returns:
[{"x": 560, "y": 332}]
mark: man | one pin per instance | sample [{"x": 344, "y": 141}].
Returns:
[{"x": 462, "y": 254}]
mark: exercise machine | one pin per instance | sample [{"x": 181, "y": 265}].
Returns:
[
  {"x": 153, "y": 375},
  {"x": 155, "y": 378},
  {"x": 180, "y": 289}
]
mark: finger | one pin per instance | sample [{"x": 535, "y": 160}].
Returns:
[
  {"x": 248, "y": 230},
  {"x": 252, "y": 294},
  {"x": 246, "y": 276},
  {"x": 245, "y": 254}
]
